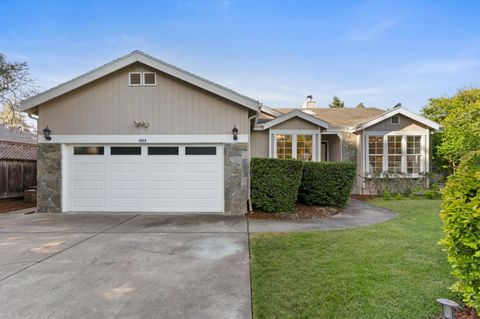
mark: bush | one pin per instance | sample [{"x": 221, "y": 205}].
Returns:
[
  {"x": 461, "y": 218},
  {"x": 327, "y": 183},
  {"x": 275, "y": 183}
]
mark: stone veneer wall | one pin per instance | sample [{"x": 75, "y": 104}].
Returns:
[
  {"x": 236, "y": 166},
  {"x": 49, "y": 178},
  {"x": 349, "y": 147}
]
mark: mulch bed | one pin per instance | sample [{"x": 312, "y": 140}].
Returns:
[
  {"x": 10, "y": 205},
  {"x": 465, "y": 313},
  {"x": 362, "y": 197},
  {"x": 302, "y": 211}
]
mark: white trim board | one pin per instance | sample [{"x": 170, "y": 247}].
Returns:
[
  {"x": 143, "y": 139},
  {"x": 299, "y": 114},
  {"x": 138, "y": 56}
]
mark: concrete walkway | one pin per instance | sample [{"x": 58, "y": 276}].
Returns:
[{"x": 356, "y": 214}]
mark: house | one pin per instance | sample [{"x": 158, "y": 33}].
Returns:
[
  {"x": 139, "y": 134},
  {"x": 18, "y": 161}
]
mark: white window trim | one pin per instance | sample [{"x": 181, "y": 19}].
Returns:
[
  {"x": 154, "y": 77},
  {"x": 316, "y": 137},
  {"x": 424, "y": 167},
  {"x": 130, "y": 78}
]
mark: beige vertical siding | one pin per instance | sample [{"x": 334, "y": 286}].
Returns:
[
  {"x": 109, "y": 106},
  {"x": 295, "y": 124},
  {"x": 334, "y": 147},
  {"x": 259, "y": 143},
  {"x": 406, "y": 124}
]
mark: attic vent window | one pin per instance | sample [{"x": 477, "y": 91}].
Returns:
[
  {"x": 135, "y": 78},
  {"x": 395, "y": 120},
  {"x": 149, "y": 78}
]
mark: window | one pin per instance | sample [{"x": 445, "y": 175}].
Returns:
[
  {"x": 88, "y": 150},
  {"x": 305, "y": 147},
  {"x": 375, "y": 154},
  {"x": 134, "y": 78},
  {"x": 284, "y": 145},
  {"x": 395, "y": 119},
  {"x": 163, "y": 150},
  {"x": 200, "y": 150},
  {"x": 414, "y": 154},
  {"x": 149, "y": 78},
  {"x": 126, "y": 150},
  {"x": 394, "y": 154}
]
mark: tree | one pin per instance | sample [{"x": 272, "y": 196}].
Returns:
[
  {"x": 460, "y": 117},
  {"x": 337, "y": 103},
  {"x": 360, "y": 105},
  {"x": 15, "y": 85}
]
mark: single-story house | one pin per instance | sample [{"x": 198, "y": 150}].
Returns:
[
  {"x": 18, "y": 161},
  {"x": 138, "y": 134}
]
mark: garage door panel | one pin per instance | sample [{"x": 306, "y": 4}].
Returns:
[
  {"x": 146, "y": 182},
  {"x": 127, "y": 185}
]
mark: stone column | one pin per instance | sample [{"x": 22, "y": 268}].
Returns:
[
  {"x": 49, "y": 178},
  {"x": 236, "y": 166}
]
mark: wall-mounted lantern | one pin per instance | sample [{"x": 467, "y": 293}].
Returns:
[
  {"x": 235, "y": 133},
  {"x": 46, "y": 133},
  {"x": 448, "y": 308}
]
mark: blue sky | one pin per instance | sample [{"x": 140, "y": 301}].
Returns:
[{"x": 376, "y": 52}]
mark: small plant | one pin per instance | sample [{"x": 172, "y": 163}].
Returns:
[
  {"x": 398, "y": 196},
  {"x": 386, "y": 195}
]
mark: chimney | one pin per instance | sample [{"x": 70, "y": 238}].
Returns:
[{"x": 309, "y": 103}]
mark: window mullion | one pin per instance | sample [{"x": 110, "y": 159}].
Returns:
[
  {"x": 294, "y": 146},
  {"x": 385, "y": 154},
  {"x": 404, "y": 154}
]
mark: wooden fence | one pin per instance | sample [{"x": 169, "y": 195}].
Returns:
[{"x": 16, "y": 176}]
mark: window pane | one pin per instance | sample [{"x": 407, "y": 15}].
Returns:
[
  {"x": 413, "y": 145},
  {"x": 304, "y": 147},
  {"x": 375, "y": 149},
  {"x": 88, "y": 150},
  {"x": 126, "y": 150},
  {"x": 413, "y": 164},
  {"x": 284, "y": 145},
  {"x": 200, "y": 150},
  {"x": 163, "y": 150},
  {"x": 395, "y": 164}
]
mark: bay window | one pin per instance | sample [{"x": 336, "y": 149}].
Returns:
[
  {"x": 396, "y": 153},
  {"x": 292, "y": 144}
]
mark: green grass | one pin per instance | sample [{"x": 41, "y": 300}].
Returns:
[{"x": 390, "y": 270}]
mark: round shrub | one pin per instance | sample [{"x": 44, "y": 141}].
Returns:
[
  {"x": 461, "y": 219},
  {"x": 327, "y": 183},
  {"x": 275, "y": 183}
]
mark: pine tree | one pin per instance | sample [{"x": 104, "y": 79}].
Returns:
[
  {"x": 337, "y": 103},
  {"x": 361, "y": 105}
]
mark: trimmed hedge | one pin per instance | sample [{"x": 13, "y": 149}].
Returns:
[
  {"x": 275, "y": 183},
  {"x": 461, "y": 224},
  {"x": 327, "y": 183}
]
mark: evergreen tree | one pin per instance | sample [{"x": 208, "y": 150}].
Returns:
[
  {"x": 337, "y": 103},
  {"x": 361, "y": 105}
]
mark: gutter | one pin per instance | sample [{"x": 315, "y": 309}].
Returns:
[{"x": 256, "y": 116}]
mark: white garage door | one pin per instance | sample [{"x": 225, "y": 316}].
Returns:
[{"x": 145, "y": 178}]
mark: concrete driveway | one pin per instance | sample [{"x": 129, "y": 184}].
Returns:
[{"x": 124, "y": 266}]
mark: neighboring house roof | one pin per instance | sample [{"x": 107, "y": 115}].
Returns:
[
  {"x": 296, "y": 113},
  {"x": 342, "y": 116},
  {"x": 138, "y": 56},
  {"x": 395, "y": 111},
  {"x": 18, "y": 151},
  {"x": 17, "y": 135}
]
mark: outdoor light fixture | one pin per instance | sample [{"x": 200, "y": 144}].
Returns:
[
  {"x": 235, "y": 133},
  {"x": 448, "y": 308},
  {"x": 46, "y": 133}
]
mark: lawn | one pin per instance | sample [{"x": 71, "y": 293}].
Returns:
[{"x": 390, "y": 270}]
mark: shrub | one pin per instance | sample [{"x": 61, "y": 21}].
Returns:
[
  {"x": 327, "y": 183},
  {"x": 461, "y": 218},
  {"x": 275, "y": 183}
]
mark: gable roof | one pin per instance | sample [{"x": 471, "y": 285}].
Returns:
[
  {"x": 296, "y": 113},
  {"x": 16, "y": 135},
  {"x": 17, "y": 151},
  {"x": 342, "y": 116},
  {"x": 138, "y": 56},
  {"x": 399, "y": 110}
]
